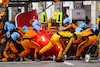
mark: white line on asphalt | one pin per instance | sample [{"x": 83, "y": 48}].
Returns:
[
  {"x": 65, "y": 62},
  {"x": 26, "y": 62}
]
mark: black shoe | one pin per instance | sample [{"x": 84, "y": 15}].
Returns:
[
  {"x": 33, "y": 60},
  {"x": 60, "y": 60},
  {"x": 10, "y": 59},
  {"x": 33, "y": 57},
  {"x": 17, "y": 58},
  {"x": 23, "y": 58}
]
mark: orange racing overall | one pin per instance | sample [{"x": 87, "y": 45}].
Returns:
[
  {"x": 27, "y": 43},
  {"x": 70, "y": 27},
  {"x": 88, "y": 39}
]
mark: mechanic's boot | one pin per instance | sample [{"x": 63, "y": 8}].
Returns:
[
  {"x": 60, "y": 60},
  {"x": 33, "y": 60},
  {"x": 17, "y": 58},
  {"x": 10, "y": 59},
  {"x": 38, "y": 56},
  {"x": 76, "y": 58}
]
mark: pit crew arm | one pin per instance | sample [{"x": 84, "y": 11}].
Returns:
[
  {"x": 65, "y": 28},
  {"x": 69, "y": 44}
]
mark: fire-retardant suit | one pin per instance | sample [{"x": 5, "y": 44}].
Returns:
[
  {"x": 3, "y": 42},
  {"x": 52, "y": 24},
  {"x": 10, "y": 51},
  {"x": 27, "y": 41},
  {"x": 2, "y": 22},
  {"x": 58, "y": 39},
  {"x": 12, "y": 42},
  {"x": 88, "y": 38},
  {"x": 3, "y": 38}
]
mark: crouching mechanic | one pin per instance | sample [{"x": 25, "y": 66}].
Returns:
[
  {"x": 58, "y": 39},
  {"x": 88, "y": 38},
  {"x": 27, "y": 41},
  {"x": 3, "y": 38},
  {"x": 10, "y": 51},
  {"x": 12, "y": 42}
]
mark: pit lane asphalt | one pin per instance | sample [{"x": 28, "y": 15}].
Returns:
[{"x": 50, "y": 63}]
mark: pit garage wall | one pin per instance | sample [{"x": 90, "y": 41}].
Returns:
[
  {"x": 13, "y": 11},
  {"x": 88, "y": 14},
  {"x": 94, "y": 12}
]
